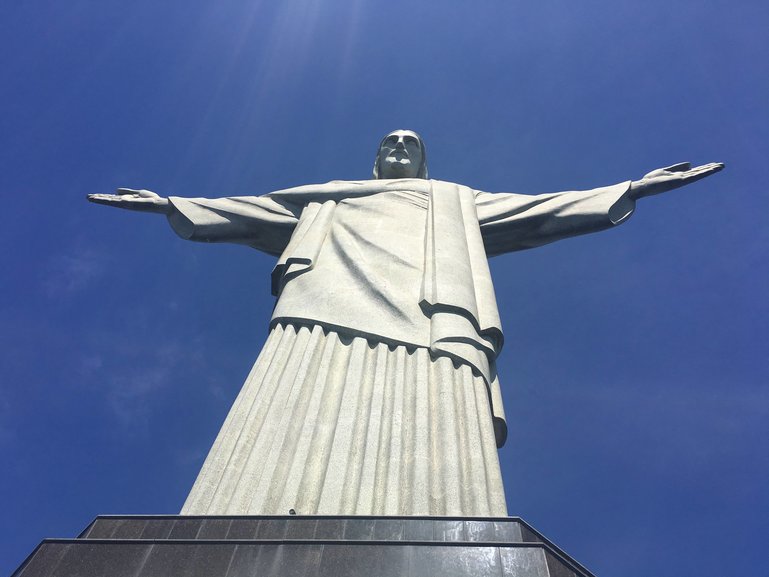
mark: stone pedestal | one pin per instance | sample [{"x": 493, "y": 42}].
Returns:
[{"x": 299, "y": 546}]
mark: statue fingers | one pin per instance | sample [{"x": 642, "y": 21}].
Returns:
[
  {"x": 700, "y": 172},
  {"x": 706, "y": 169},
  {"x": 678, "y": 167},
  {"x": 712, "y": 166},
  {"x": 104, "y": 198},
  {"x": 136, "y": 193}
]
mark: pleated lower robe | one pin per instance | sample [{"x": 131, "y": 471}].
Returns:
[{"x": 333, "y": 424}]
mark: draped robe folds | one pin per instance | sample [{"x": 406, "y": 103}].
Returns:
[{"x": 395, "y": 263}]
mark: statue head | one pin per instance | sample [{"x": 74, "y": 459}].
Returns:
[{"x": 401, "y": 154}]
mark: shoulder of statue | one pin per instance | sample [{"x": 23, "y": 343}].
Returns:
[
  {"x": 319, "y": 188},
  {"x": 335, "y": 190},
  {"x": 349, "y": 182},
  {"x": 461, "y": 187},
  {"x": 449, "y": 183},
  {"x": 374, "y": 186}
]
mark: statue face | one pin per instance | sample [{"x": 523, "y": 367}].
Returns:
[{"x": 400, "y": 155}]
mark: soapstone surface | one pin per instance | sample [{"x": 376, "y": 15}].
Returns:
[{"x": 377, "y": 390}]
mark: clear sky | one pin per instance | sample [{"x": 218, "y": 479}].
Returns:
[{"x": 636, "y": 365}]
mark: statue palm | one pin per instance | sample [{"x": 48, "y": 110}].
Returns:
[
  {"x": 671, "y": 177},
  {"x": 142, "y": 200}
]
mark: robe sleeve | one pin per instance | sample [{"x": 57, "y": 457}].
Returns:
[
  {"x": 511, "y": 222},
  {"x": 261, "y": 222}
]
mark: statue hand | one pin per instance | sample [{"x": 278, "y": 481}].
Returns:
[
  {"x": 665, "y": 179},
  {"x": 144, "y": 200}
]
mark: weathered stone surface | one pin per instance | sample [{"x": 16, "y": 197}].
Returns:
[{"x": 377, "y": 392}]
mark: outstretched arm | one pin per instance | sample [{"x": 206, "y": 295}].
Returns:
[
  {"x": 671, "y": 177},
  {"x": 261, "y": 222},
  {"x": 128, "y": 198},
  {"x": 512, "y": 222}
]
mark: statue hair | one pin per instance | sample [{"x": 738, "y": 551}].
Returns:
[{"x": 422, "y": 173}]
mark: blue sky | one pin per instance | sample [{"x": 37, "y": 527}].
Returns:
[{"x": 636, "y": 366}]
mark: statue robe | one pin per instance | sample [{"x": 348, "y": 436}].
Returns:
[{"x": 376, "y": 392}]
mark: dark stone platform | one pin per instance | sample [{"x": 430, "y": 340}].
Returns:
[{"x": 299, "y": 546}]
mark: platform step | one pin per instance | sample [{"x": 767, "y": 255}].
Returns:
[
  {"x": 301, "y": 546},
  {"x": 505, "y": 530}
]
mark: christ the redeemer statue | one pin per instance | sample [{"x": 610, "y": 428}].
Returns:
[{"x": 376, "y": 392}]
